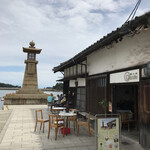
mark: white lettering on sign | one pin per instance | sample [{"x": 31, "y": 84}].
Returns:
[{"x": 123, "y": 77}]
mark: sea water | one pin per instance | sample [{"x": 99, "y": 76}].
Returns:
[{"x": 4, "y": 92}]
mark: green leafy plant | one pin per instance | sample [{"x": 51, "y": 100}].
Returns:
[{"x": 104, "y": 104}]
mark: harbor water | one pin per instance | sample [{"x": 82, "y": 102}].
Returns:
[{"x": 4, "y": 92}]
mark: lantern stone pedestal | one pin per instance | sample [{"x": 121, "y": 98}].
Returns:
[
  {"x": 29, "y": 93},
  {"x": 25, "y": 99}
]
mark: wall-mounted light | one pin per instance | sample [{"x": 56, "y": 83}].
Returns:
[{"x": 147, "y": 69}]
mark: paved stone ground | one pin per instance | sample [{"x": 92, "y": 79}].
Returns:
[
  {"x": 4, "y": 115},
  {"x": 18, "y": 133},
  {"x": 129, "y": 144}
]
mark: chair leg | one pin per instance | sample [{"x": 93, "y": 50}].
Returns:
[
  {"x": 59, "y": 131},
  {"x": 35, "y": 126},
  {"x": 63, "y": 131},
  {"x": 88, "y": 130},
  {"x": 77, "y": 130},
  {"x": 56, "y": 133},
  {"x": 41, "y": 126},
  {"x": 69, "y": 124},
  {"x": 74, "y": 125},
  {"x": 49, "y": 128}
]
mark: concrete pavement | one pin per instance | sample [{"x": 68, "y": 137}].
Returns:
[
  {"x": 4, "y": 115},
  {"x": 18, "y": 134}
]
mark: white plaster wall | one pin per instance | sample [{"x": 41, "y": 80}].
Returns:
[
  {"x": 131, "y": 51},
  {"x": 81, "y": 81},
  {"x": 71, "y": 71},
  {"x": 72, "y": 83}
]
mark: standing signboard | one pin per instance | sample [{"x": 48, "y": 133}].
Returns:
[{"x": 108, "y": 132}]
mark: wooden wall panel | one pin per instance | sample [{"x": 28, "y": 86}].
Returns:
[
  {"x": 96, "y": 91},
  {"x": 144, "y": 112}
]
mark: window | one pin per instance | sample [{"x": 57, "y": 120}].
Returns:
[
  {"x": 101, "y": 82},
  {"x": 31, "y": 55},
  {"x": 81, "y": 99}
]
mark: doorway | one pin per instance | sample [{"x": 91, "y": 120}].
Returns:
[
  {"x": 72, "y": 94},
  {"x": 125, "y": 100}
]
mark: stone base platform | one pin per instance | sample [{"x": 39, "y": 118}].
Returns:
[{"x": 25, "y": 99}]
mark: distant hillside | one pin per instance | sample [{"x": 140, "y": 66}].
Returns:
[
  {"x": 57, "y": 87},
  {"x": 8, "y": 85}
]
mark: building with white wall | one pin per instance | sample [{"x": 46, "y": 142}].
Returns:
[{"x": 115, "y": 68}]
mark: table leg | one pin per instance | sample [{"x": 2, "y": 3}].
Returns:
[
  {"x": 66, "y": 125},
  {"x": 51, "y": 108}
]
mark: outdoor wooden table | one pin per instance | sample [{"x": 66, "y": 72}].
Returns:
[{"x": 66, "y": 115}]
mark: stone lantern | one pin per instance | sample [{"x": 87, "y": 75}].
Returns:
[
  {"x": 29, "y": 93},
  {"x": 30, "y": 83}
]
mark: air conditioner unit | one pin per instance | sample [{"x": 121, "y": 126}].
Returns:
[{"x": 145, "y": 72}]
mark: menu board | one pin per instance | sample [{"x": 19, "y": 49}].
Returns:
[{"x": 108, "y": 134}]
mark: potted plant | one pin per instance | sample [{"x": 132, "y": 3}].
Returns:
[{"x": 104, "y": 105}]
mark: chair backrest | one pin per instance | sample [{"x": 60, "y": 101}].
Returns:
[
  {"x": 39, "y": 111},
  {"x": 55, "y": 111},
  {"x": 73, "y": 109},
  {"x": 125, "y": 116},
  {"x": 53, "y": 117}
]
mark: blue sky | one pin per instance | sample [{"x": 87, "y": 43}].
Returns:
[{"x": 61, "y": 28}]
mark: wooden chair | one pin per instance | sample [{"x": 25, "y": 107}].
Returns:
[
  {"x": 125, "y": 120},
  {"x": 54, "y": 117},
  {"x": 41, "y": 120},
  {"x": 83, "y": 123},
  {"x": 73, "y": 109},
  {"x": 57, "y": 123},
  {"x": 73, "y": 119}
]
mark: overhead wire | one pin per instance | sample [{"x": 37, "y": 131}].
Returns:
[{"x": 132, "y": 15}]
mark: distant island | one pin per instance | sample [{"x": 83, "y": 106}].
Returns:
[
  {"x": 9, "y": 85},
  {"x": 5, "y": 86}
]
